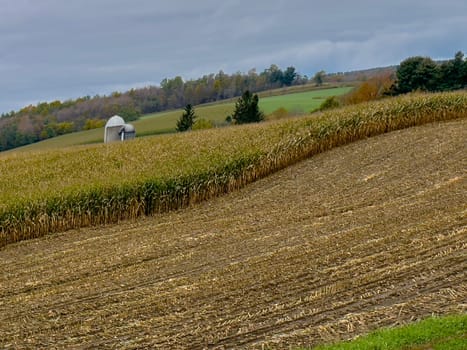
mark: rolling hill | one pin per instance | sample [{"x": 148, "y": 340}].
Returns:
[
  {"x": 297, "y": 100},
  {"x": 365, "y": 235}
]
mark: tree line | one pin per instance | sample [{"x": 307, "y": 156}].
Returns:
[
  {"x": 413, "y": 74},
  {"x": 424, "y": 74},
  {"x": 49, "y": 119}
]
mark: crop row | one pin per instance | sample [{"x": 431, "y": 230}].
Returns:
[{"x": 53, "y": 191}]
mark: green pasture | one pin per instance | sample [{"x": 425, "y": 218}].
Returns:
[
  {"x": 73, "y": 139},
  {"x": 166, "y": 121},
  {"x": 296, "y": 103},
  {"x": 301, "y": 102}
]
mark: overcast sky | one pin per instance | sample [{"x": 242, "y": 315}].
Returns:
[{"x": 61, "y": 49}]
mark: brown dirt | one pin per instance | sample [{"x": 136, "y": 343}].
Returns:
[{"x": 367, "y": 235}]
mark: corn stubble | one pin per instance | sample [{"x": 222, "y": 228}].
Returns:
[
  {"x": 366, "y": 235},
  {"x": 59, "y": 190}
]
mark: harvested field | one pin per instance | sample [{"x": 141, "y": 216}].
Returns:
[
  {"x": 366, "y": 235},
  {"x": 48, "y": 192}
]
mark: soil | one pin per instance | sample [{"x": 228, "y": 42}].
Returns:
[{"x": 367, "y": 235}]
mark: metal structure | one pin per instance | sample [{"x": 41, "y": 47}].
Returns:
[
  {"x": 117, "y": 130},
  {"x": 127, "y": 132}
]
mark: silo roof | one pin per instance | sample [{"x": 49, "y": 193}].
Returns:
[
  {"x": 129, "y": 128},
  {"x": 116, "y": 120}
]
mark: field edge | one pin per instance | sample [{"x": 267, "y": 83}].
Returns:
[{"x": 302, "y": 138}]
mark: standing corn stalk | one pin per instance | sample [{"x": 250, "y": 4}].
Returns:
[{"x": 107, "y": 183}]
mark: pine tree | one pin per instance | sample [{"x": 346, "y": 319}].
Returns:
[
  {"x": 247, "y": 110},
  {"x": 187, "y": 119}
]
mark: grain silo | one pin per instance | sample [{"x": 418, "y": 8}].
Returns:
[{"x": 117, "y": 130}]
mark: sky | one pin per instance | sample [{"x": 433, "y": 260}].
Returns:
[{"x": 64, "y": 49}]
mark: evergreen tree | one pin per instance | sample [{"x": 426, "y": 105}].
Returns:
[
  {"x": 247, "y": 110},
  {"x": 187, "y": 119},
  {"x": 417, "y": 73},
  {"x": 453, "y": 75},
  {"x": 289, "y": 76}
]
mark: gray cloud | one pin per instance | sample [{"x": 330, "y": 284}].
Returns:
[{"x": 53, "y": 49}]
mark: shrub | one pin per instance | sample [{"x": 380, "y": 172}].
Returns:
[
  {"x": 202, "y": 123},
  {"x": 93, "y": 124},
  {"x": 372, "y": 89},
  {"x": 329, "y": 103},
  {"x": 279, "y": 113}
]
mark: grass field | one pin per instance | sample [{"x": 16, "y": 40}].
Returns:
[
  {"x": 302, "y": 102},
  {"x": 435, "y": 333},
  {"x": 296, "y": 103},
  {"x": 163, "y": 122},
  {"x": 366, "y": 235}
]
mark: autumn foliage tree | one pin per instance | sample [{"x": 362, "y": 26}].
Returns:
[
  {"x": 372, "y": 89},
  {"x": 319, "y": 77}
]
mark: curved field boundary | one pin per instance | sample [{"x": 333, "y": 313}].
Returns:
[
  {"x": 252, "y": 153},
  {"x": 372, "y": 234}
]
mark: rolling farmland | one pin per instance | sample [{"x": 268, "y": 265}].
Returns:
[
  {"x": 365, "y": 235},
  {"x": 300, "y": 102},
  {"x": 102, "y": 184},
  {"x": 294, "y": 100}
]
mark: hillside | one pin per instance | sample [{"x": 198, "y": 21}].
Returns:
[
  {"x": 296, "y": 100},
  {"x": 47, "y": 120},
  {"x": 362, "y": 236}
]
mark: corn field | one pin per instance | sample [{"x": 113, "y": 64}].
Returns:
[
  {"x": 368, "y": 235},
  {"x": 58, "y": 190}
]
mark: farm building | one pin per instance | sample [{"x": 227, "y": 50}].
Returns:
[{"x": 117, "y": 130}]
